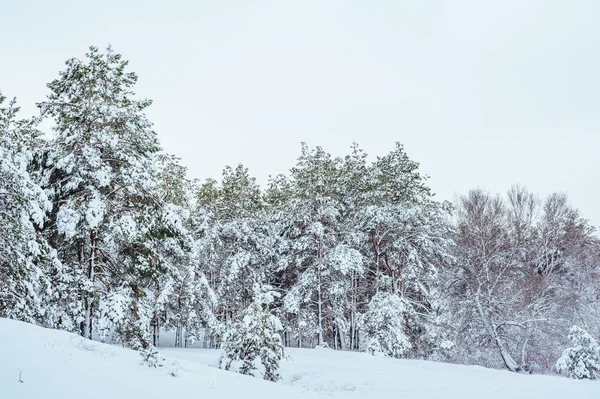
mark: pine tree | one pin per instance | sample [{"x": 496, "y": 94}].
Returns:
[
  {"x": 384, "y": 325},
  {"x": 183, "y": 299},
  {"x": 26, "y": 260},
  {"x": 409, "y": 238},
  {"x": 253, "y": 345},
  {"x": 237, "y": 239},
  {"x": 314, "y": 210},
  {"x": 101, "y": 176}
]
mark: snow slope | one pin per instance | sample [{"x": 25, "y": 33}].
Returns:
[
  {"x": 359, "y": 375},
  {"x": 56, "y": 364}
]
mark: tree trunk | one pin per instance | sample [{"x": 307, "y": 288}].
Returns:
[
  {"x": 87, "y": 325},
  {"x": 155, "y": 331},
  {"x": 320, "y": 305},
  {"x": 508, "y": 360},
  {"x": 386, "y": 259},
  {"x": 376, "y": 249},
  {"x": 353, "y": 310},
  {"x": 335, "y": 338},
  {"x": 342, "y": 338},
  {"x": 399, "y": 278},
  {"x": 524, "y": 351},
  {"x": 177, "y": 335}
]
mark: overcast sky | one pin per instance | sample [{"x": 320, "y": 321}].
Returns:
[{"x": 481, "y": 93}]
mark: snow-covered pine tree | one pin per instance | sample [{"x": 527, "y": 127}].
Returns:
[
  {"x": 581, "y": 360},
  {"x": 384, "y": 325},
  {"x": 351, "y": 289},
  {"x": 409, "y": 238},
  {"x": 101, "y": 176},
  {"x": 242, "y": 235},
  {"x": 238, "y": 239},
  {"x": 314, "y": 209},
  {"x": 183, "y": 299},
  {"x": 26, "y": 260},
  {"x": 253, "y": 345},
  {"x": 383, "y": 214}
]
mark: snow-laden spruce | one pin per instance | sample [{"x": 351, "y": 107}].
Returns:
[
  {"x": 253, "y": 344},
  {"x": 581, "y": 360}
]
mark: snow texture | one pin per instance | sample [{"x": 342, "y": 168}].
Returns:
[{"x": 50, "y": 364}]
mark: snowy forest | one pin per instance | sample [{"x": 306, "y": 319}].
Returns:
[{"x": 104, "y": 234}]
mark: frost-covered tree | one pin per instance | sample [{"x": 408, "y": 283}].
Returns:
[
  {"x": 183, "y": 299},
  {"x": 253, "y": 345},
  {"x": 383, "y": 219},
  {"x": 100, "y": 174},
  {"x": 513, "y": 284},
  {"x": 384, "y": 325},
  {"x": 581, "y": 360},
  {"x": 315, "y": 243},
  {"x": 26, "y": 260},
  {"x": 409, "y": 240},
  {"x": 487, "y": 273},
  {"x": 237, "y": 239}
]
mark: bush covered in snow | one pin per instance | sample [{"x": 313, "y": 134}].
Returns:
[
  {"x": 383, "y": 326},
  {"x": 582, "y": 359},
  {"x": 253, "y": 345}
]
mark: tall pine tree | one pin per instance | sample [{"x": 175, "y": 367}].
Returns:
[{"x": 101, "y": 176}]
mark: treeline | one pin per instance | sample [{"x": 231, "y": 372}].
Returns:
[{"x": 103, "y": 234}]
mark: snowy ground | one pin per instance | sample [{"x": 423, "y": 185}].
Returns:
[
  {"x": 55, "y": 364},
  {"x": 359, "y": 375},
  {"x": 58, "y": 365}
]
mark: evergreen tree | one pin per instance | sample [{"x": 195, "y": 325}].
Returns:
[
  {"x": 237, "y": 239},
  {"x": 253, "y": 345},
  {"x": 384, "y": 325},
  {"x": 409, "y": 239},
  {"x": 101, "y": 176},
  {"x": 314, "y": 214},
  {"x": 26, "y": 260},
  {"x": 582, "y": 359},
  {"x": 183, "y": 299}
]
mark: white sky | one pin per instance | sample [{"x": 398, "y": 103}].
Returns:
[{"x": 481, "y": 93}]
